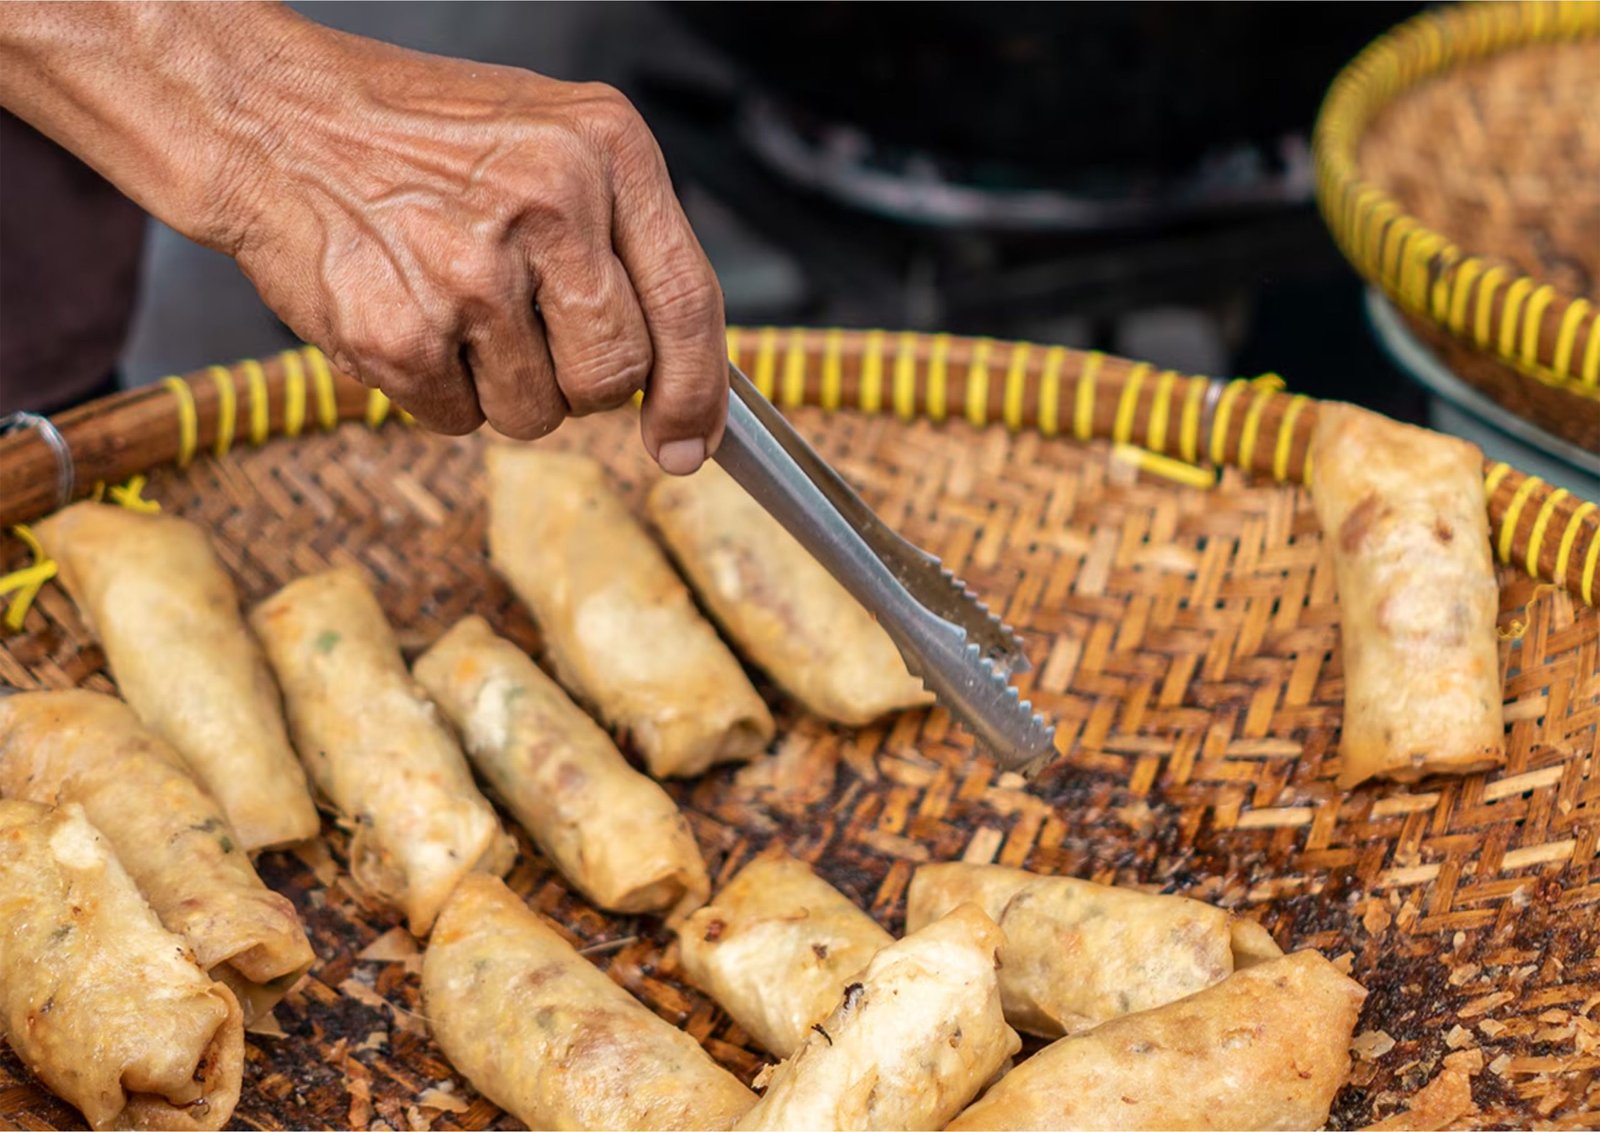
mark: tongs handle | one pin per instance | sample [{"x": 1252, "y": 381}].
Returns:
[{"x": 772, "y": 462}]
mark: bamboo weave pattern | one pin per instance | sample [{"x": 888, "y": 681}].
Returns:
[{"x": 1185, "y": 640}]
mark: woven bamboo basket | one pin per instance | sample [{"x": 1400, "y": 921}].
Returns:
[
  {"x": 1146, "y": 533},
  {"x": 1458, "y": 163}
]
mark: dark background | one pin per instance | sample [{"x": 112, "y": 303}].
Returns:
[{"x": 1135, "y": 178}]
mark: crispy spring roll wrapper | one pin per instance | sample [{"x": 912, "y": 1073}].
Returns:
[
  {"x": 548, "y": 1037},
  {"x": 167, "y": 832},
  {"x": 376, "y": 747},
  {"x": 167, "y": 615},
  {"x": 1078, "y": 953},
  {"x": 613, "y": 832},
  {"x": 1265, "y": 1048},
  {"x": 781, "y": 607},
  {"x": 908, "y": 1045},
  {"x": 104, "y": 1005},
  {"x": 1402, "y": 510},
  {"x": 777, "y": 948},
  {"x": 621, "y": 628},
  {"x": 1252, "y": 944}
]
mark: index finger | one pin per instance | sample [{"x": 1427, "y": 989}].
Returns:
[{"x": 686, "y": 398}]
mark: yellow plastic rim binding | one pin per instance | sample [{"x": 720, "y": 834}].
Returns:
[{"x": 1421, "y": 269}]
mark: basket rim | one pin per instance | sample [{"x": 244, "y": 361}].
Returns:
[
  {"x": 1184, "y": 428},
  {"x": 1539, "y": 331}
]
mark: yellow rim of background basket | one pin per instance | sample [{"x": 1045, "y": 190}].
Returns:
[
  {"x": 1529, "y": 325},
  {"x": 1173, "y": 425}
]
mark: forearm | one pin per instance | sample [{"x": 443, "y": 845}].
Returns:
[{"x": 165, "y": 100}]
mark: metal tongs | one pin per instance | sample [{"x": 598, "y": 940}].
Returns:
[{"x": 963, "y": 653}]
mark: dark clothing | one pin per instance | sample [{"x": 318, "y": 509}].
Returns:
[{"x": 69, "y": 269}]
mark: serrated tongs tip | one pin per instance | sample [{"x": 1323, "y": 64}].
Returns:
[{"x": 947, "y": 635}]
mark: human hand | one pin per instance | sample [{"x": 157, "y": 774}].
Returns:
[
  {"x": 478, "y": 242},
  {"x": 485, "y": 243}
]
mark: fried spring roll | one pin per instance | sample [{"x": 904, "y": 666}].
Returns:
[
  {"x": 167, "y": 615},
  {"x": 547, "y": 1036},
  {"x": 908, "y": 1045},
  {"x": 1265, "y": 1048},
  {"x": 103, "y": 1004},
  {"x": 613, "y": 832},
  {"x": 780, "y": 606},
  {"x": 167, "y": 832},
  {"x": 1402, "y": 511},
  {"x": 620, "y": 626},
  {"x": 777, "y": 948},
  {"x": 1077, "y": 953},
  {"x": 376, "y": 747}
]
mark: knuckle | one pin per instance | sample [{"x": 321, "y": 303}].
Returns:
[
  {"x": 526, "y": 421},
  {"x": 687, "y": 300},
  {"x": 522, "y": 400},
  {"x": 609, "y": 112},
  {"x": 474, "y": 272},
  {"x": 607, "y": 380},
  {"x": 453, "y": 420},
  {"x": 564, "y": 191},
  {"x": 447, "y": 412}
]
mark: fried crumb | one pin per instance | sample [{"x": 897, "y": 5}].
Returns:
[
  {"x": 1407, "y": 915},
  {"x": 443, "y": 1101},
  {"x": 358, "y": 1079},
  {"x": 1459, "y": 1037},
  {"x": 1371, "y": 1045},
  {"x": 315, "y": 856},
  {"x": 365, "y": 995},
  {"x": 1439, "y": 1103},
  {"x": 266, "y": 1026},
  {"x": 393, "y": 946},
  {"x": 1487, "y": 1003},
  {"x": 1376, "y": 918}
]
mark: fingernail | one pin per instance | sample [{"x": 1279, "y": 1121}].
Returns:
[{"x": 682, "y": 457}]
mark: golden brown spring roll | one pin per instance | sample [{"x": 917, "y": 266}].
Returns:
[
  {"x": 1402, "y": 511},
  {"x": 376, "y": 747},
  {"x": 1265, "y": 1048},
  {"x": 547, "y": 1036},
  {"x": 103, "y": 1004},
  {"x": 908, "y": 1045},
  {"x": 777, "y": 948},
  {"x": 613, "y": 832},
  {"x": 167, "y": 832},
  {"x": 1076, "y": 952},
  {"x": 166, "y": 614},
  {"x": 780, "y": 606},
  {"x": 621, "y": 628}
]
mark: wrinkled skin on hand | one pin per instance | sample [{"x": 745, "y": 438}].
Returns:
[{"x": 479, "y": 242}]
